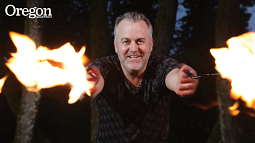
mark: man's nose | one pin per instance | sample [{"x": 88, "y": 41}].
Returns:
[{"x": 134, "y": 47}]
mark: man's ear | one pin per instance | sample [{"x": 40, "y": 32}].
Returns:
[
  {"x": 151, "y": 44},
  {"x": 115, "y": 46}
]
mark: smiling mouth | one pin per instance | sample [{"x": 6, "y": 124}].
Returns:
[{"x": 133, "y": 57}]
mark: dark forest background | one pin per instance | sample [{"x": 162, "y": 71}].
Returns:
[{"x": 90, "y": 23}]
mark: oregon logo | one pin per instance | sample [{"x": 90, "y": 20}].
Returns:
[{"x": 34, "y": 12}]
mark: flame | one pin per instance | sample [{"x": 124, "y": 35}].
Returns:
[
  {"x": 205, "y": 107},
  {"x": 43, "y": 68},
  {"x": 237, "y": 63},
  {"x": 2, "y": 80},
  {"x": 233, "y": 109}
]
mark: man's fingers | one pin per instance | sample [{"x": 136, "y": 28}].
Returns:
[
  {"x": 93, "y": 89},
  {"x": 92, "y": 79},
  {"x": 186, "y": 86},
  {"x": 181, "y": 65},
  {"x": 193, "y": 72},
  {"x": 184, "y": 93},
  {"x": 184, "y": 75},
  {"x": 184, "y": 68},
  {"x": 92, "y": 75},
  {"x": 186, "y": 89},
  {"x": 187, "y": 80},
  {"x": 94, "y": 70}
]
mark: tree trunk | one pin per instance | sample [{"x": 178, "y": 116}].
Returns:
[
  {"x": 240, "y": 128},
  {"x": 26, "y": 130},
  {"x": 99, "y": 32},
  {"x": 165, "y": 26},
  {"x": 99, "y": 29}
]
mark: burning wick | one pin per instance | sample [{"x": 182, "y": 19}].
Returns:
[
  {"x": 38, "y": 68},
  {"x": 202, "y": 75},
  {"x": 237, "y": 63}
]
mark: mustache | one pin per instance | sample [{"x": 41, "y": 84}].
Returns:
[{"x": 133, "y": 54}]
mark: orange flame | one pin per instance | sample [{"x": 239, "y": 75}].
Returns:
[
  {"x": 233, "y": 109},
  {"x": 237, "y": 63},
  {"x": 2, "y": 80},
  {"x": 44, "y": 68},
  {"x": 205, "y": 107}
]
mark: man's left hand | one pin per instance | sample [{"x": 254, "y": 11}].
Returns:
[{"x": 186, "y": 85}]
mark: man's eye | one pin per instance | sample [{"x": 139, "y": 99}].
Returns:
[
  {"x": 125, "y": 42},
  {"x": 140, "y": 42}
]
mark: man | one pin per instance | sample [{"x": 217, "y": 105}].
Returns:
[{"x": 133, "y": 89}]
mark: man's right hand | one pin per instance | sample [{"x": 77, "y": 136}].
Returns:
[{"x": 94, "y": 76}]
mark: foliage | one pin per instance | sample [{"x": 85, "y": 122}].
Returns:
[
  {"x": 69, "y": 23},
  {"x": 197, "y": 29}
]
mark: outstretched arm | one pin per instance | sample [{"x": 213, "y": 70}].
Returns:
[{"x": 178, "y": 81}]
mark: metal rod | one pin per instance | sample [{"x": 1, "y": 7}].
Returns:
[{"x": 199, "y": 76}]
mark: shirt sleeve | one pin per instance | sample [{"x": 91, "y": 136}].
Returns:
[
  {"x": 164, "y": 64},
  {"x": 105, "y": 65}
]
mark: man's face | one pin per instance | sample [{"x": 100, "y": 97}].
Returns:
[{"x": 133, "y": 45}]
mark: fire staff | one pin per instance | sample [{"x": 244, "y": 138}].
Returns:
[{"x": 133, "y": 88}]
